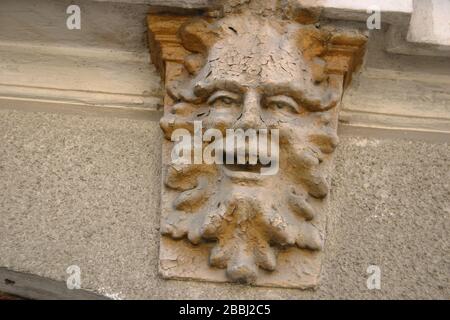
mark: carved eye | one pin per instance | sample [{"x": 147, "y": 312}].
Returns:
[
  {"x": 223, "y": 98},
  {"x": 282, "y": 103}
]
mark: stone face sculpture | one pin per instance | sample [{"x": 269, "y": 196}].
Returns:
[{"x": 240, "y": 73}]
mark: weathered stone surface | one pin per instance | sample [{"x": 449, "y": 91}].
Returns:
[
  {"x": 98, "y": 206},
  {"x": 411, "y": 92},
  {"x": 427, "y": 35},
  {"x": 430, "y": 23},
  {"x": 78, "y": 185},
  {"x": 105, "y": 63},
  {"x": 389, "y": 201},
  {"x": 233, "y": 218}
]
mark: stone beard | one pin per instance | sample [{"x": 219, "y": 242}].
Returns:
[{"x": 252, "y": 73}]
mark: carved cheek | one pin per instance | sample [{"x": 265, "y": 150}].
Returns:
[
  {"x": 294, "y": 130},
  {"x": 285, "y": 125},
  {"x": 270, "y": 121},
  {"x": 276, "y": 118}
]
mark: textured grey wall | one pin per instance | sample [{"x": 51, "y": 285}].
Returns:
[{"x": 84, "y": 189}]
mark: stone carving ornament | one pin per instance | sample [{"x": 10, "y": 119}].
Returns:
[{"x": 228, "y": 222}]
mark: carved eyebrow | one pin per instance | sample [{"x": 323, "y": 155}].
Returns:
[
  {"x": 205, "y": 88},
  {"x": 310, "y": 101}
]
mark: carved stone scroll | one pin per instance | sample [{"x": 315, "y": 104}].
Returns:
[{"x": 228, "y": 222}]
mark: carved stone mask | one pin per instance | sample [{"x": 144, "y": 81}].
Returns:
[{"x": 251, "y": 73}]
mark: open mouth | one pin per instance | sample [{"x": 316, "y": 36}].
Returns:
[{"x": 253, "y": 168}]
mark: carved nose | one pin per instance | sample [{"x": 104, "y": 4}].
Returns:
[{"x": 250, "y": 117}]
